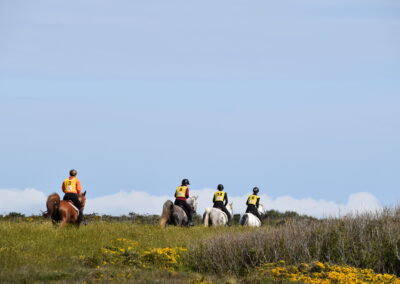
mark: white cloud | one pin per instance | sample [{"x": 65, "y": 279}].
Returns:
[
  {"x": 32, "y": 201},
  {"x": 26, "y": 201}
]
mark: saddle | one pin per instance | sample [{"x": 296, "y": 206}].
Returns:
[
  {"x": 73, "y": 206},
  {"x": 181, "y": 206}
]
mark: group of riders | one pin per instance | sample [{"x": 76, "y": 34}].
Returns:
[
  {"x": 72, "y": 187},
  {"x": 220, "y": 201}
]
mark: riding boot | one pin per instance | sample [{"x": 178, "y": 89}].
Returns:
[
  {"x": 80, "y": 217},
  {"x": 229, "y": 220},
  {"x": 190, "y": 219}
]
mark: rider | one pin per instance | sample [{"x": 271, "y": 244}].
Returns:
[
  {"x": 72, "y": 187},
  {"x": 253, "y": 202},
  {"x": 181, "y": 194},
  {"x": 221, "y": 200}
]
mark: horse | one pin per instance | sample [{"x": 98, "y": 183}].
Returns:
[
  {"x": 216, "y": 217},
  {"x": 62, "y": 211},
  {"x": 175, "y": 215},
  {"x": 250, "y": 220}
]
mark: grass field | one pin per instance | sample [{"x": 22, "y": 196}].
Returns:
[
  {"x": 358, "y": 249},
  {"x": 31, "y": 251}
]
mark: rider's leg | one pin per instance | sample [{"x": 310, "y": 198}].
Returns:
[
  {"x": 255, "y": 212},
  {"x": 188, "y": 210},
  {"x": 223, "y": 208}
]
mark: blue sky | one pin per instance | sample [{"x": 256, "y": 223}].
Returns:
[{"x": 300, "y": 98}]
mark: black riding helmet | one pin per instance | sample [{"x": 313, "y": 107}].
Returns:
[
  {"x": 73, "y": 173},
  {"x": 220, "y": 187},
  {"x": 256, "y": 190},
  {"x": 185, "y": 182}
]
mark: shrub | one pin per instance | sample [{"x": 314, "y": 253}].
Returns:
[{"x": 364, "y": 241}]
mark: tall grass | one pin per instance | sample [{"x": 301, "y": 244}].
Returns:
[{"x": 365, "y": 240}]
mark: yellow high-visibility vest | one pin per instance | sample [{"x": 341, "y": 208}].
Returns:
[
  {"x": 219, "y": 196},
  {"x": 70, "y": 185},
  {"x": 181, "y": 191},
  {"x": 253, "y": 199}
]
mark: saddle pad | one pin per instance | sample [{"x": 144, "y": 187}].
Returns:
[{"x": 73, "y": 206}]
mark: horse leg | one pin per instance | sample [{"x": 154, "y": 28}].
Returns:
[
  {"x": 63, "y": 222},
  {"x": 176, "y": 222}
]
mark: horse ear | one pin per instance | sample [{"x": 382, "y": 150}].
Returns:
[{"x": 84, "y": 193}]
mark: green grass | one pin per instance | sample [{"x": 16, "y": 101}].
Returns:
[{"x": 38, "y": 251}]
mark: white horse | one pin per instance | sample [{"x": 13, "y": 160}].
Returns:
[
  {"x": 175, "y": 215},
  {"x": 216, "y": 217},
  {"x": 250, "y": 220}
]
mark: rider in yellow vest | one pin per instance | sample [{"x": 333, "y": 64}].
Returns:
[
  {"x": 181, "y": 194},
  {"x": 72, "y": 187},
  {"x": 221, "y": 200},
  {"x": 253, "y": 202}
]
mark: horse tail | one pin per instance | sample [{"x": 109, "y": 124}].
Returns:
[
  {"x": 206, "y": 217},
  {"x": 52, "y": 204},
  {"x": 244, "y": 219},
  {"x": 168, "y": 208}
]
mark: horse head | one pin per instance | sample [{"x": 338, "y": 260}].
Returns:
[
  {"x": 261, "y": 209},
  {"x": 193, "y": 201},
  {"x": 82, "y": 198},
  {"x": 230, "y": 207}
]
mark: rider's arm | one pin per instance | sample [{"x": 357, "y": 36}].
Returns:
[
  {"x": 78, "y": 186},
  {"x": 226, "y": 199},
  {"x": 63, "y": 187},
  {"x": 258, "y": 202},
  {"x": 187, "y": 193},
  {"x": 214, "y": 199}
]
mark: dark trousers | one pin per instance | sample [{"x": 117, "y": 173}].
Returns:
[
  {"x": 253, "y": 209},
  {"x": 221, "y": 206},
  {"x": 186, "y": 207},
  {"x": 74, "y": 198}
]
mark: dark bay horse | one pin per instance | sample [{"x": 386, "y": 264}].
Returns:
[{"x": 61, "y": 211}]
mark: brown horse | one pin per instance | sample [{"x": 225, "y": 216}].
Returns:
[{"x": 63, "y": 211}]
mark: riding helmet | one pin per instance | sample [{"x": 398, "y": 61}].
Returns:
[
  {"x": 220, "y": 187},
  {"x": 256, "y": 190},
  {"x": 73, "y": 173},
  {"x": 185, "y": 182}
]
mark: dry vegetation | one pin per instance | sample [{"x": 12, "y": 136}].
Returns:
[{"x": 364, "y": 241}]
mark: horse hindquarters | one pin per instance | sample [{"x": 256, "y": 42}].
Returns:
[
  {"x": 53, "y": 204},
  {"x": 206, "y": 217},
  {"x": 166, "y": 215},
  {"x": 252, "y": 220}
]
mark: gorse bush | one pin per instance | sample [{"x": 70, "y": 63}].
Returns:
[
  {"x": 128, "y": 252},
  {"x": 319, "y": 273},
  {"x": 364, "y": 241}
]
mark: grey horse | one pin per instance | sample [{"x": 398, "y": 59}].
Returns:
[
  {"x": 175, "y": 215},
  {"x": 216, "y": 217},
  {"x": 250, "y": 220}
]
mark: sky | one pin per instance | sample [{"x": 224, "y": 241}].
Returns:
[{"x": 300, "y": 98}]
